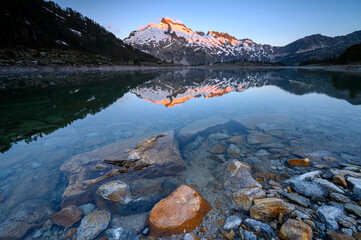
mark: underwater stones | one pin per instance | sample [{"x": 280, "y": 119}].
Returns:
[
  {"x": 130, "y": 159},
  {"x": 67, "y": 216},
  {"x": 299, "y": 162},
  {"x": 194, "y": 128},
  {"x": 309, "y": 189},
  {"x": 121, "y": 234},
  {"x": 329, "y": 215},
  {"x": 233, "y": 150},
  {"x": 328, "y": 185},
  {"x": 236, "y": 175},
  {"x": 295, "y": 230},
  {"x": 332, "y": 235},
  {"x": 217, "y": 149},
  {"x": 269, "y": 208},
  {"x": 181, "y": 212},
  {"x": 340, "y": 180},
  {"x": 116, "y": 191},
  {"x": 252, "y": 121},
  {"x": 304, "y": 202},
  {"x": 259, "y": 228},
  {"x": 243, "y": 198},
  {"x": 93, "y": 224},
  {"x": 24, "y": 217},
  {"x": 232, "y": 222},
  {"x": 356, "y": 209},
  {"x": 258, "y": 138},
  {"x": 38, "y": 185},
  {"x": 356, "y": 184},
  {"x": 235, "y": 139}
]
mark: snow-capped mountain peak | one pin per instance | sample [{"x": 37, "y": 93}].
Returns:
[{"x": 175, "y": 42}]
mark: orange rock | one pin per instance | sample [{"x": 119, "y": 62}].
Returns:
[
  {"x": 295, "y": 230},
  {"x": 71, "y": 234},
  {"x": 269, "y": 208},
  {"x": 68, "y": 216},
  {"x": 299, "y": 162},
  {"x": 181, "y": 212},
  {"x": 339, "y": 236},
  {"x": 340, "y": 180},
  {"x": 244, "y": 197}
]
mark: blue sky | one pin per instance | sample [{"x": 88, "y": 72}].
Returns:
[{"x": 276, "y": 22}]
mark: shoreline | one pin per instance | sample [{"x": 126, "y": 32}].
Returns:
[{"x": 22, "y": 70}]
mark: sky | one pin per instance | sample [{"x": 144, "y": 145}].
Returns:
[{"x": 275, "y": 22}]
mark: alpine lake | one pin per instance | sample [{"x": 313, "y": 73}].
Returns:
[{"x": 117, "y": 143}]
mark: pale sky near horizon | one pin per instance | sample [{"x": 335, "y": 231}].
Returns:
[{"x": 276, "y": 22}]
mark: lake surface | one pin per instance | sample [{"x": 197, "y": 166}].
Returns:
[{"x": 301, "y": 112}]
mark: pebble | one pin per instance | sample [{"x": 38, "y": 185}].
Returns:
[
  {"x": 309, "y": 189},
  {"x": 121, "y": 234},
  {"x": 87, "y": 208},
  {"x": 232, "y": 222},
  {"x": 259, "y": 228},
  {"x": 304, "y": 202},
  {"x": 295, "y": 230},
  {"x": 329, "y": 216},
  {"x": 93, "y": 224},
  {"x": 249, "y": 235}
]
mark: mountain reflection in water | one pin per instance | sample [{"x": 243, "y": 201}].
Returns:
[{"x": 29, "y": 114}]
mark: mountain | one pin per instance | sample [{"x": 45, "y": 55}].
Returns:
[
  {"x": 175, "y": 42},
  {"x": 352, "y": 55},
  {"x": 41, "y": 30}
]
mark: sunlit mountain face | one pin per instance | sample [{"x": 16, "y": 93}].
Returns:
[{"x": 175, "y": 42}]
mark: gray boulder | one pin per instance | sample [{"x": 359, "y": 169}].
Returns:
[
  {"x": 93, "y": 224},
  {"x": 309, "y": 189},
  {"x": 329, "y": 215}
]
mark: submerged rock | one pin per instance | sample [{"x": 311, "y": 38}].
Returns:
[
  {"x": 339, "y": 180},
  {"x": 329, "y": 216},
  {"x": 328, "y": 185},
  {"x": 308, "y": 188},
  {"x": 295, "y": 230},
  {"x": 356, "y": 209},
  {"x": 151, "y": 158},
  {"x": 93, "y": 224},
  {"x": 68, "y": 216},
  {"x": 233, "y": 150},
  {"x": 259, "y": 228},
  {"x": 181, "y": 212},
  {"x": 258, "y": 138},
  {"x": 304, "y": 202},
  {"x": 116, "y": 191},
  {"x": 24, "y": 217},
  {"x": 236, "y": 175},
  {"x": 121, "y": 234},
  {"x": 195, "y": 128},
  {"x": 299, "y": 162},
  {"x": 217, "y": 149},
  {"x": 356, "y": 184},
  {"x": 269, "y": 208},
  {"x": 243, "y": 199},
  {"x": 339, "y": 236},
  {"x": 232, "y": 222}
]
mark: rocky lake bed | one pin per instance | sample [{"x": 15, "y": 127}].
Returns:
[{"x": 240, "y": 178}]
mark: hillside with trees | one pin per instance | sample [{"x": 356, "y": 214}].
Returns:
[{"x": 38, "y": 31}]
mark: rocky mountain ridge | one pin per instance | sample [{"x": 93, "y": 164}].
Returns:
[{"x": 177, "y": 43}]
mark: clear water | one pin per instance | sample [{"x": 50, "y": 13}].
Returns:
[{"x": 309, "y": 111}]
